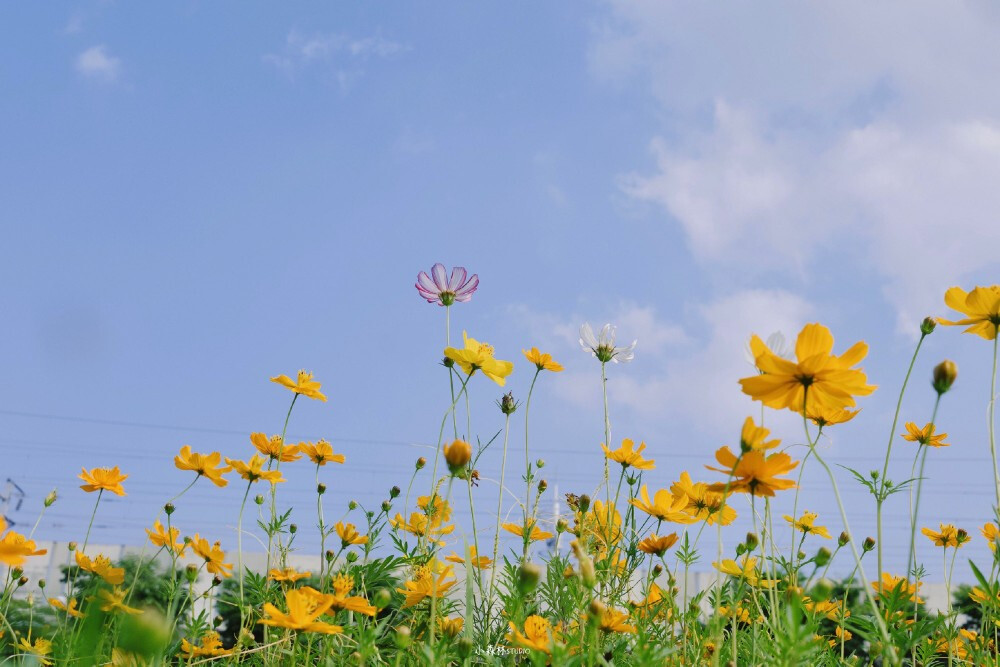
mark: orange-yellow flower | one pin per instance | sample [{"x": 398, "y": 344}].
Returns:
[
  {"x": 69, "y": 608},
  {"x": 342, "y": 585},
  {"x": 40, "y": 649},
  {"x": 892, "y": 585},
  {"x": 253, "y": 470},
  {"x": 206, "y": 465},
  {"x": 754, "y": 437},
  {"x": 805, "y": 525},
  {"x": 114, "y": 600},
  {"x": 664, "y": 506},
  {"x": 450, "y": 627},
  {"x": 288, "y": 574},
  {"x": 14, "y": 547},
  {"x": 320, "y": 453},
  {"x": 101, "y": 566},
  {"x": 213, "y": 555},
  {"x": 303, "y": 384},
  {"x": 424, "y": 585},
  {"x": 981, "y": 308},
  {"x": 543, "y": 362},
  {"x": 948, "y": 537},
  {"x": 476, "y": 356},
  {"x": 628, "y": 456},
  {"x": 831, "y": 380},
  {"x": 275, "y": 448},
  {"x": 538, "y": 634},
  {"x": 614, "y": 620},
  {"x": 753, "y": 472},
  {"x": 529, "y": 530},
  {"x": 103, "y": 479},
  {"x": 703, "y": 503},
  {"x": 422, "y": 526},
  {"x": 211, "y": 646},
  {"x": 746, "y": 569},
  {"x": 160, "y": 537},
  {"x": 457, "y": 454},
  {"x": 991, "y": 533},
  {"x": 657, "y": 545},
  {"x": 827, "y": 416},
  {"x": 480, "y": 562},
  {"x": 305, "y": 605},
  {"x": 925, "y": 435},
  {"x": 349, "y": 534}
]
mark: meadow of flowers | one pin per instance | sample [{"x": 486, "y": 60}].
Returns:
[{"x": 606, "y": 583}]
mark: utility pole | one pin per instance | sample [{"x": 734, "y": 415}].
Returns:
[{"x": 12, "y": 495}]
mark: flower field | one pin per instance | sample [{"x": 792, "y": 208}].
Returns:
[{"x": 604, "y": 583}]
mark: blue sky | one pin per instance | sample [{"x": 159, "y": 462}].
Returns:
[{"x": 197, "y": 197}]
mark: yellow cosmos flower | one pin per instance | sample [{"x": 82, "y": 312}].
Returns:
[
  {"x": 440, "y": 509},
  {"x": 342, "y": 585},
  {"x": 529, "y": 530},
  {"x": 925, "y": 435},
  {"x": 805, "y": 525},
  {"x": 827, "y": 416},
  {"x": 754, "y": 473},
  {"x": 991, "y": 533},
  {"x": 981, "y": 308},
  {"x": 543, "y": 362},
  {"x": 305, "y": 605},
  {"x": 101, "y": 566},
  {"x": 538, "y": 634},
  {"x": 480, "y": 562},
  {"x": 614, "y": 620},
  {"x": 892, "y": 585},
  {"x": 211, "y": 646},
  {"x": 831, "y": 609},
  {"x": 981, "y": 597},
  {"x": 121, "y": 658},
  {"x": 425, "y": 585},
  {"x": 740, "y": 614},
  {"x": 457, "y": 454},
  {"x": 476, "y": 356},
  {"x": 754, "y": 438},
  {"x": 746, "y": 569},
  {"x": 320, "y": 453},
  {"x": 253, "y": 470},
  {"x": 114, "y": 601},
  {"x": 629, "y": 457},
  {"x": 948, "y": 537},
  {"x": 206, "y": 465},
  {"x": 160, "y": 537},
  {"x": 66, "y": 608},
  {"x": 665, "y": 506},
  {"x": 349, "y": 534},
  {"x": 421, "y": 525},
  {"x": 288, "y": 574},
  {"x": 653, "y": 602},
  {"x": 831, "y": 380},
  {"x": 703, "y": 504},
  {"x": 657, "y": 545},
  {"x": 41, "y": 648},
  {"x": 303, "y": 384},
  {"x": 275, "y": 448},
  {"x": 103, "y": 479},
  {"x": 450, "y": 627},
  {"x": 15, "y": 547},
  {"x": 213, "y": 556},
  {"x": 604, "y": 523}
]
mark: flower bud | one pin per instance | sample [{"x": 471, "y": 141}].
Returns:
[
  {"x": 352, "y": 505},
  {"x": 169, "y": 508},
  {"x": 394, "y": 491},
  {"x": 587, "y": 571},
  {"x": 944, "y": 376},
  {"x": 41, "y": 584},
  {"x": 507, "y": 404},
  {"x": 402, "y": 636},
  {"x": 22, "y": 581},
  {"x": 383, "y": 597},
  {"x": 801, "y": 555},
  {"x": 191, "y": 572},
  {"x": 527, "y": 577},
  {"x": 329, "y": 555},
  {"x": 321, "y": 488},
  {"x": 293, "y": 528},
  {"x": 352, "y": 556},
  {"x": 540, "y": 463},
  {"x": 246, "y": 638},
  {"x": 962, "y": 536},
  {"x": 216, "y": 581},
  {"x": 71, "y": 546},
  {"x": 584, "y": 502},
  {"x": 448, "y": 363},
  {"x": 217, "y": 621},
  {"x": 843, "y": 539},
  {"x": 457, "y": 454},
  {"x": 562, "y": 525},
  {"x": 741, "y": 549},
  {"x": 258, "y": 499},
  {"x": 51, "y": 498},
  {"x": 868, "y": 544},
  {"x": 386, "y": 505},
  {"x": 464, "y": 646},
  {"x": 752, "y": 541},
  {"x": 823, "y": 557},
  {"x": 657, "y": 570},
  {"x": 16, "y": 572},
  {"x": 542, "y": 485},
  {"x": 595, "y": 610},
  {"x": 927, "y": 326},
  {"x": 822, "y": 590},
  {"x": 421, "y": 462}
]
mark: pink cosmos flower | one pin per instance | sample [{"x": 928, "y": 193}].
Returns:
[{"x": 438, "y": 288}]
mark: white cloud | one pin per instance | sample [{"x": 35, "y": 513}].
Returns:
[
  {"x": 340, "y": 51},
  {"x": 97, "y": 63},
  {"x": 828, "y": 142}
]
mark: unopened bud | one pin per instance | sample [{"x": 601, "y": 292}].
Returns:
[
  {"x": 402, "y": 636},
  {"x": 927, "y": 326},
  {"x": 528, "y": 575},
  {"x": 962, "y": 536},
  {"x": 741, "y": 549},
  {"x": 394, "y": 491},
  {"x": 41, "y": 583},
  {"x": 386, "y": 506},
  {"x": 457, "y": 455},
  {"x": 584, "y": 502},
  {"x": 587, "y": 571},
  {"x": 562, "y": 525},
  {"x": 843, "y": 539},
  {"x": 216, "y": 581},
  {"x": 752, "y": 541},
  {"x": 22, "y": 581},
  {"x": 352, "y": 505},
  {"x": 542, "y": 485},
  {"x": 383, "y": 597},
  {"x": 465, "y": 647},
  {"x": 822, "y": 590},
  {"x": 321, "y": 488},
  {"x": 657, "y": 570},
  {"x": 540, "y": 463},
  {"x": 448, "y": 363},
  {"x": 71, "y": 546},
  {"x": 191, "y": 572},
  {"x": 51, "y": 498},
  {"x": 507, "y": 403},
  {"x": 421, "y": 462},
  {"x": 595, "y": 610},
  {"x": 823, "y": 557},
  {"x": 351, "y": 556},
  {"x": 217, "y": 621},
  {"x": 329, "y": 555},
  {"x": 944, "y": 376},
  {"x": 258, "y": 499},
  {"x": 293, "y": 528},
  {"x": 868, "y": 544},
  {"x": 169, "y": 508},
  {"x": 16, "y": 572}
]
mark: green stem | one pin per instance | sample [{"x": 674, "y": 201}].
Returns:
[
  {"x": 607, "y": 427},
  {"x": 993, "y": 398},
  {"x": 922, "y": 449},
  {"x": 496, "y": 535},
  {"x": 239, "y": 549},
  {"x": 274, "y": 487}
]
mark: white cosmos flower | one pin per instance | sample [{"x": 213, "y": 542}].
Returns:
[
  {"x": 603, "y": 346},
  {"x": 778, "y": 345}
]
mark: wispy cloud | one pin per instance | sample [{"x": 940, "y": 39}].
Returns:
[
  {"x": 340, "y": 52},
  {"x": 98, "y": 64}
]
